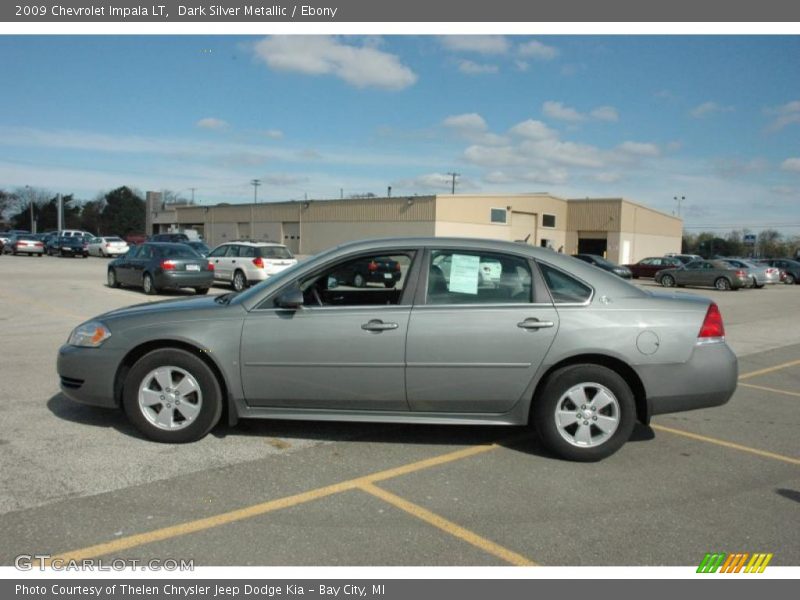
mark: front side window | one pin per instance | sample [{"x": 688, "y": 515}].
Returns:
[
  {"x": 564, "y": 288},
  {"x": 217, "y": 252},
  {"x": 474, "y": 277},
  {"x": 375, "y": 279}
]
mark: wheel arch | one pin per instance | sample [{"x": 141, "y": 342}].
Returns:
[
  {"x": 620, "y": 367},
  {"x": 139, "y": 351}
]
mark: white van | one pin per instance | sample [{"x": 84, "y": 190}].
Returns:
[{"x": 74, "y": 233}]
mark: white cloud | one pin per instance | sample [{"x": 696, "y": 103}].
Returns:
[
  {"x": 468, "y": 123},
  {"x": 211, "y": 123},
  {"x": 791, "y": 164},
  {"x": 521, "y": 65},
  {"x": 480, "y": 44},
  {"x": 360, "y": 66},
  {"x": 784, "y": 115},
  {"x": 537, "y": 50},
  {"x": 534, "y": 130},
  {"x": 707, "y": 109},
  {"x": 605, "y": 113},
  {"x": 607, "y": 177},
  {"x": 639, "y": 149},
  {"x": 472, "y": 68},
  {"x": 273, "y": 134},
  {"x": 561, "y": 112},
  {"x": 428, "y": 181},
  {"x": 284, "y": 179}
]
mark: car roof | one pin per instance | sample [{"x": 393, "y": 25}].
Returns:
[{"x": 252, "y": 243}]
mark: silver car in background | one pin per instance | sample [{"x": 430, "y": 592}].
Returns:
[
  {"x": 107, "y": 246},
  {"x": 759, "y": 274},
  {"x": 576, "y": 352}
]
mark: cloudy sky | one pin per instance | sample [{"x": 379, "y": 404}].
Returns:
[{"x": 713, "y": 119}]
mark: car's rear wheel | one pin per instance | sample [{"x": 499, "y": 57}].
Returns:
[
  {"x": 584, "y": 412},
  {"x": 389, "y": 284},
  {"x": 789, "y": 279},
  {"x": 722, "y": 284},
  {"x": 148, "y": 285},
  {"x": 359, "y": 281},
  {"x": 113, "y": 282},
  {"x": 668, "y": 281},
  {"x": 172, "y": 396},
  {"x": 239, "y": 281}
]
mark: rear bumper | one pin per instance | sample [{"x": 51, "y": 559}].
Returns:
[
  {"x": 87, "y": 374},
  {"x": 179, "y": 279},
  {"x": 707, "y": 379}
]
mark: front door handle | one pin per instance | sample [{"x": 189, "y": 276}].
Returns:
[
  {"x": 534, "y": 323},
  {"x": 378, "y": 325}
]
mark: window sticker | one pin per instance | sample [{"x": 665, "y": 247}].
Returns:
[
  {"x": 464, "y": 274},
  {"x": 492, "y": 270}
]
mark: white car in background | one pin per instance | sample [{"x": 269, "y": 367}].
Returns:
[
  {"x": 242, "y": 263},
  {"x": 107, "y": 246}
]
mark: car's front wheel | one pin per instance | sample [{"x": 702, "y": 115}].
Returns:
[
  {"x": 722, "y": 284},
  {"x": 668, "y": 281},
  {"x": 172, "y": 396},
  {"x": 584, "y": 412},
  {"x": 113, "y": 282}
]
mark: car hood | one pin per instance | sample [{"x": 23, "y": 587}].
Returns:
[{"x": 197, "y": 307}]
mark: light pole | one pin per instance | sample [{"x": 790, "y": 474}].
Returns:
[
  {"x": 679, "y": 200},
  {"x": 255, "y": 183}
]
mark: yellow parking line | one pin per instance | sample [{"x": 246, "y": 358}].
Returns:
[
  {"x": 448, "y": 526},
  {"x": 769, "y": 389},
  {"x": 791, "y": 363},
  {"x": 255, "y": 510},
  {"x": 710, "y": 440}
]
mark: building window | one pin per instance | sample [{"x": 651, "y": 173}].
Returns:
[
  {"x": 499, "y": 215},
  {"x": 548, "y": 220}
]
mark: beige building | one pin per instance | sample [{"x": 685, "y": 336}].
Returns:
[{"x": 619, "y": 229}]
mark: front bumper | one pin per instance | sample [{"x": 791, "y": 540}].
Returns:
[
  {"x": 707, "y": 379},
  {"x": 87, "y": 374}
]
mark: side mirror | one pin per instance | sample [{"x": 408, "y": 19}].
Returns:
[{"x": 291, "y": 299}]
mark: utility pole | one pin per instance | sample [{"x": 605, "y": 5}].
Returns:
[
  {"x": 193, "y": 189},
  {"x": 255, "y": 183},
  {"x": 453, "y": 187},
  {"x": 679, "y": 200},
  {"x": 60, "y": 211}
]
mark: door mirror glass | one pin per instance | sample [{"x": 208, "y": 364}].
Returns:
[
  {"x": 333, "y": 283},
  {"x": 291, "y": 298}
]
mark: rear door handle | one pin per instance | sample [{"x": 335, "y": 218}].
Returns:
[
  {"x": 378, "y": 325},
  {"x": 534, "y": 323}
]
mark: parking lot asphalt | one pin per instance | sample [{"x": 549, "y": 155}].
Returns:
[{"x": 79, "y": 481}]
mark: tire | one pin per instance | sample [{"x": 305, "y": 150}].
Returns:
[
  {"x": 148, "y": 285},
  {"x": 389, "y": 284},
  {"x": 790, "y": 279},
  {"x": 239, "y": 281},
  {"x": 560, "y": 400},
  {"x": 142, "y": 393},
  {"x": 722, "y": 284},
  {"x": 668, "y": 281},
  {"x": 757, "y": 286},
  {"x": 359, "y": 281},
  {"x": 201, "y": 291},
  {"x": 113, "y": 282}
]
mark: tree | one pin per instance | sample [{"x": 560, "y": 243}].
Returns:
[
  {"x": 124, "y": 212},
  {"x": 92, "y": 215}
]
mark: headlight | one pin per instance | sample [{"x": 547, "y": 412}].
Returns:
[{"x": 89, "y": 335}]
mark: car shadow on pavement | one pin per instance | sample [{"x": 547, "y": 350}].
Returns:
[
  {"x": 83, "y": 414},
  {"x": 793, "y": 495}
]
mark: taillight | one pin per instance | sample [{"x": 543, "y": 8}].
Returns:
[
  {"x": 258, "y": 262},
  {"x": 210, "y": 266},
  {"x": 741, "y": 274},
  {"x": 39, "y": 244},
  {"x": 168, "y": 265},
  {"x": 397, "y": 266},
  {"x": 712, "y": 325},
  {"x": 373, "y": 266}
]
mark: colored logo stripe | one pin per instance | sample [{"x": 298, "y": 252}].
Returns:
[{"x": 734, "y": 563}]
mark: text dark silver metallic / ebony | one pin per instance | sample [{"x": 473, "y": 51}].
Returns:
[{"x": 507, "y": 334}]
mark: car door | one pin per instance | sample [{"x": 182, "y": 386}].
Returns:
[
  {"x": 227, "y": 262},
  {"x": 124, "y": 265},
  {"x": 343, "y": 349},
  {"x": 691, "y": 274},
  {"x": 215, "y": 258},
  {"x": 474, "y": 344}
]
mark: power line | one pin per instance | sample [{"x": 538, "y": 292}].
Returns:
[{"x": 453, "y": 175}]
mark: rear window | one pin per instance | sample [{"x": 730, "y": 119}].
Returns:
[
  {"x": 177, "y": 252},
  {"x": 113, "y": 239},
  {"x": 564, "y": 288},
  {"x": 275, "y": 252}
]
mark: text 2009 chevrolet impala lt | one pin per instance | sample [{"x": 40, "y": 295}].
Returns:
[{"x": 471, "y": 332}]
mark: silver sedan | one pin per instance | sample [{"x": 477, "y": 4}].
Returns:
[{"x": 546, "y": 340}]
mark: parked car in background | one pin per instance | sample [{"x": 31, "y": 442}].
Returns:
[
  {"x": 6, "y": 235},
  {"x": 133, "y": 239},
  {"x": 382, "y": 270},
  {"x": 790, "y": 267},
  {"x": 684, "y": 258},
  {"x": 174, "y": 238},
  {"x": 200, "y": 247},
  {"x": 71, "y": 246},
  {"x": 244, "y": 262},
  {"x": 156, "y": 266},
  {"x": 24, "y": 243},
  {"x": 605, "y": 264},
  {"x": 704, "y": 273},
  {"x": 760, "y": 274},
  {"x": 75, "y": 233},
  {"x": 434, "y": 349},
  {"x": 648, "y": 267},
  {"x": 107, "y": 246}
]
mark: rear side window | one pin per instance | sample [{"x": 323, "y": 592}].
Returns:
[
  {"x": 469, "y": 277},
  {"x": 564, "y": 288}
]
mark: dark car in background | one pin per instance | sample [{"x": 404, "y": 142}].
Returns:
[
  {"x": 790, "y": 267},
  {"x": 381, "y": 270},
  {"x": 200, "y": 247},
  {"x": 705, "y": 273},
  {"x": 605, "y": 264},
  {"x": 648, "y": 267},
  {"x": 155, "y": 266},
  {"x": 70, "y": 246},
  {"x": 175, "y": 238}
]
